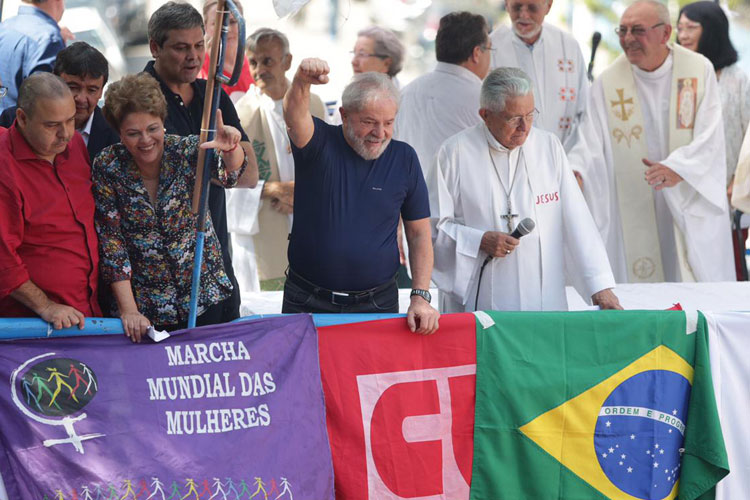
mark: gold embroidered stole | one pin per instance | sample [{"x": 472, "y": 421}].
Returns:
[{"x": 627, "y": 136}]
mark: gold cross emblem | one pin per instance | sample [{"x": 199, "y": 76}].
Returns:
[{"x": 622, "y": 113}]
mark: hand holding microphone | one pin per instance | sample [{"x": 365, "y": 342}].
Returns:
[{"x": 497, "y": 244}]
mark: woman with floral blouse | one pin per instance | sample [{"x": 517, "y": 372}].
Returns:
[{"x": 143, "y": 190}]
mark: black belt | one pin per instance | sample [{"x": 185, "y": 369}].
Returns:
[{"x": 338, "y": 298}]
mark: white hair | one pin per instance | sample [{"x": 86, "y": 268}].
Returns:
[
  {"x": 367, "y": 87},
  {"x": 502, "y": 84}
]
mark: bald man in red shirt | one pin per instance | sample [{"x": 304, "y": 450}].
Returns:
[{"x": 48, "y": 245}]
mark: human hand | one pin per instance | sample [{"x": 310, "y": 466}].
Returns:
[
  {"x": 579, "y": 179},
  {"x": 730, "y": 187},
  {"x": 421, "y": 316},
  {"x": 312, "y": 71},
  {"x": 62, "y": 316},
  {"x": 660, "y": 176},
  {"x": 281, "y": 195},
  {"x": 135, "y": 325},
  {"x": 498, "y": 244},
  {"x": 606, "y": 299},
  {"x": 66, "y": 35},
  {"x": 227, "y": 138}
]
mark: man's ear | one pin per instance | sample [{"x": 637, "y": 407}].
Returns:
[
  {"x": 287, "y": 62},
  {"x": 667, "y": 33},
  {"x": 21, "y": 117},
  {"x": 154, "y": 47},
  {"x": 483, "y": 113},
  {"x": 476, "y": 54}
]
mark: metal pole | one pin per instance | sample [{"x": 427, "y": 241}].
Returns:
[{"x": 208, "y": 132}]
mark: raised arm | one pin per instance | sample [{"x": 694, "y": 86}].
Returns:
[{"x": 297, "y": 115}]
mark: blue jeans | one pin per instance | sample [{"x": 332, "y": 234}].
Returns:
[{"x": 298, "y": 300}]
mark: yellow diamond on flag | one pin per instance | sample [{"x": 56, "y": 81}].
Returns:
[{"x": 624, "y": 435}]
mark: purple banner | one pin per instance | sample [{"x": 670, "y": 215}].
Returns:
[{"x": 226, "y": 412}]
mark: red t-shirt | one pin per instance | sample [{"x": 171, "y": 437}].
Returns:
[
  {"x": 243, "y": 84},
  {"x": 47, "y": 230}
]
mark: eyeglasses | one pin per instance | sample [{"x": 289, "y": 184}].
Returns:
[
  {"x": 515, "y": 121},
  {"x": 636, "y": 31},
  {"x": 3, "y": 91},
  {"x": 687, "y": 27},
  {"x": 365, "y": 55},
  {"x": 487, "y": 47}
]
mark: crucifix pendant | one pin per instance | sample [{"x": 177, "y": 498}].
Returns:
[{"x": 509, "y": 218}]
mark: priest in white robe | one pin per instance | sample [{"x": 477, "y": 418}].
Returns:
[
  {"x": 445, "y": 101},
  {"x": 552, "y": 59},
  {"x": 650, "y": 152},
  {"x": 260, "y": 219},
  {"x": 490, "y": 177}
]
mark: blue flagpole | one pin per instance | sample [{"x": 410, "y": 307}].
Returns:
[{"x": 203, "y": 174}]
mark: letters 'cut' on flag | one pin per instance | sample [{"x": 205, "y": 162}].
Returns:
[
  {"x": 225, "y": 411},
  {"x": 400, "y": 408},
  {"x": 616, "y": 405}
]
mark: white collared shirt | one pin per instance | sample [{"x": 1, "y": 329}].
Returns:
[{"x": 86, "y": 130}]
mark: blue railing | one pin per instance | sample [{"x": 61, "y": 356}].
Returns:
[{"x": 35, "y": 328}]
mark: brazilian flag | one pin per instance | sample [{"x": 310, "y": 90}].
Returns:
[{"x": 595, "y": 405}]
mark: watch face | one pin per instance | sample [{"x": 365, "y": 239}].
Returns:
[{"x": 422, "y": 293}]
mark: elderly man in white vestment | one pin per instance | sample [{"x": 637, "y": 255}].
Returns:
[
  {"x": 552, "y": 59},
  {"x": 261, "y": 218},
  {"x": 491, "y": 176},
  {"x": 650, "y": 152},
  {"x": 445, "y": 101}
]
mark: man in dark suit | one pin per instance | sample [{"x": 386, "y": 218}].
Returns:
[{"x": 85, "y": 70}]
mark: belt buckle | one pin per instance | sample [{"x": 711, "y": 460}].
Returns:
[{"x": 340, "y": 294}]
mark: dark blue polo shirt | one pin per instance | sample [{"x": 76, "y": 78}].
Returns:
[{"x": 346, "y": 210}]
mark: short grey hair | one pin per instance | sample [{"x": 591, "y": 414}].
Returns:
[
  {"x": 502, "y": 84},
  {"x": 173, "y": 16},
  {"x": 366, "y": 88},
  {"x": 386, "y": 44},
  {"x": 41, "y": 85},
  {"x": 267, "y": 34},
  {"x": 662, "y": 11}
]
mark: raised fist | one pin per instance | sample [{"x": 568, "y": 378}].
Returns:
[{"x": 313, "y": 71}]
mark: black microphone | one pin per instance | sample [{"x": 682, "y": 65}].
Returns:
[
  {"x": 523, "y": 228},
  {"x": 595, "y": 39}
]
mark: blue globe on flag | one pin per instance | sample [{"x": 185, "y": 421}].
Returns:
[{"x": 640, "y": 432}]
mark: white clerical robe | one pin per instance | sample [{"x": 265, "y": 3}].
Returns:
[
  {"x": 471, "y": 199},
  {"x": 434, "y": 107},
  {"x": 556, "y": 67},
  {"x": 699, "y": 208}
]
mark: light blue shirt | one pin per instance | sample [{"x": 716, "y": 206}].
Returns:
[{"x": 29, "y": 42}]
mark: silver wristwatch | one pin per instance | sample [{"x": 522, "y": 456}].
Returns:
[{"x": 425, "y": 294}]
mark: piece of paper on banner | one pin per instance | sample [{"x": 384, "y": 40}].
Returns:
[{"x": 288, "y": 7}]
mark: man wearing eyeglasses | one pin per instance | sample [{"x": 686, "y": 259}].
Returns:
[
  {"x": 552, "y": 59},
  {"x": 650, "y": 153},
  {"x": 488, "y": 179}
]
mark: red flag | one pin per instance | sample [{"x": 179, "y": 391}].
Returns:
[{"x": 400, "y": 408}]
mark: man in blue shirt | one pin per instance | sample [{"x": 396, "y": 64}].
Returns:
[
  {"x": 351, "y": 184},
  {"x": 29, "y": 42}
]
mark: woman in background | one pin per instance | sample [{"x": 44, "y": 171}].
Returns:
[{"x": 703, "y": 27}]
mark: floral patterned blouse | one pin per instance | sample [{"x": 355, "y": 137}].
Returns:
[{"x": 153, "y": 247}]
